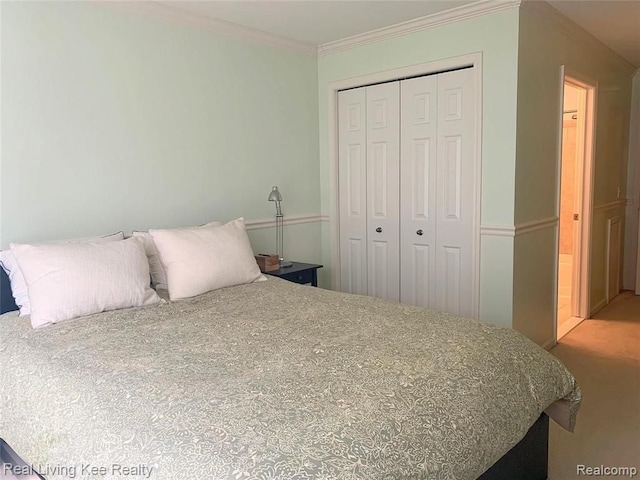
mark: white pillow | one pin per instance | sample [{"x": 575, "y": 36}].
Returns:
[
  {"x": 19, "y": 286},
  {"x": 198, "y": 260},
  {"x": 158, "y": 273},
  {"x": 75, "y": 279}
]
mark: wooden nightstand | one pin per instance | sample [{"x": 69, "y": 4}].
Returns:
[{"x": 302, "y": 273}]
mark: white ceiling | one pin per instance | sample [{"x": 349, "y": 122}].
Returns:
[
  {"x": 614, "y": 22},
  {"x": 315, "y": 21}
]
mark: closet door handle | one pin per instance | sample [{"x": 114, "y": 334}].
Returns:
[
  {"x": 419, "y": 232},
  {"x": 379, "y": 229}
]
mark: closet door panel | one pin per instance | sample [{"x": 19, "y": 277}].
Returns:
[
  {"x": 383, "y": 145},
  {"x": 419, "y": 99},
  {"x": 456, "y": 158},
  {"x": 352, "y": 190}
]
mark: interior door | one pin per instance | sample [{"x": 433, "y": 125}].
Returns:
[
  {"x": 455, "y": 196},
  {"x": 352, "y": 166},
  {"x": 383, "y": 190},
  {"x": 419, "y": 100}
]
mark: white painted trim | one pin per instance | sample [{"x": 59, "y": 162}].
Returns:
[
  {"x": 288, "y": 220},
  {"x": 535, "y": 225},
  {"x": 569, "y": 325},
  {"x": 519, "y": 229},
  {"x": 477, "y": 185},
  {"x": 549, "y": 344},
  {"x": 556, "y": 245},
  {"x": 163, "y": 11},
  {"x": 464, "y": 12},
  {"x": 598, "y": 306},
  {"x": 586, "y": 145},
  {"x": 586, "y": 213},
  {"x": 445, "y": 64},
  {"x": 611, "y": 205},
  {"x": 334, "y": 191},
  {"x": 498, "y": 230},
  {"x": 472, "y": 59},
  {"x": 575, "y": 32}
]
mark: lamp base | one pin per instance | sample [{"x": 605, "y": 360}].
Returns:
[{"x": 285, "y": 264}]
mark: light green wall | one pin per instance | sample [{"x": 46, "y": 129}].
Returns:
[
  {"x": 496, "y": 36},
  {"x": 543, "y": 48},
  {"x": 116, "y": 121}
]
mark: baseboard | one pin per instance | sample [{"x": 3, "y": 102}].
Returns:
[
  {"x": 569, "y": 325},
  {"x": 549, "y": 344},
  {"x": 597, "y": 307}
]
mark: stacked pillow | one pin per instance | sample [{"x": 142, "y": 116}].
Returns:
[
  {"x": 18, "y": 284},
  {"x": 70, "y": 280},
  {"x": 158, "y": 273},
  {"x": 198, "y": 260},
  {"x": 60, "y": 281}
]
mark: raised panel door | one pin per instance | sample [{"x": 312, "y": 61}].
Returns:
[
  {"x": 455, "y": 196},
  {"x": 383, "y": 190},
  {"x": 352, "y": 188},
  {"x": 419, "y": 99}
]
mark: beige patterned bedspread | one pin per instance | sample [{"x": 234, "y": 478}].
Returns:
[{"x": 272, "y": 381}]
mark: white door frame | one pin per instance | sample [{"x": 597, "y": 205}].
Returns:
[
  {"x": 470, "y": 60},
  {"x": 585, "y": 146},
  {"x": 634, "y": 152}
]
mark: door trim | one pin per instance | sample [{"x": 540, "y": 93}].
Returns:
[
  {"x": 586, "y": 144},
  {"x": 471, "y": 60}
]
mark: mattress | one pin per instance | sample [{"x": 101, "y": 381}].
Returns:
[{"x": 274, "y": 380}]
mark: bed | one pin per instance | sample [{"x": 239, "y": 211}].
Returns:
[{"x": 273, "y": 380}]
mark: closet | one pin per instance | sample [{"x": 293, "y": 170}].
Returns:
[{"x": 407, "y": 190}]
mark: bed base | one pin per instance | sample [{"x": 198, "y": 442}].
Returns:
[
  {"x": 7, "y": 303},
  {"x": 528, "y": 460},
  {"x": 9, "y": 457}
]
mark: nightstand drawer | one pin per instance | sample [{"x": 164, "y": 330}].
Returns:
[
  {"x": 297, "y": 272},
  {"x": 302, "y": 277}
]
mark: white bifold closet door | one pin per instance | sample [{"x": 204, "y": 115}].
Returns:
[
  {"x": 418, "y": 193},
  {"x": 437, "y": 185},
  {"x": 383, "y": 190},
  {"x": 406, "y": 190},
  {"x": 352, "y": 190},
  {"x": 369, "y": 156}
]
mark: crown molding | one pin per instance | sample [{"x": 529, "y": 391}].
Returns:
[
  {"x": 544, "y": 11},
  {"x": 476, "y": 9},
  {"x": 174, "y": 15}
]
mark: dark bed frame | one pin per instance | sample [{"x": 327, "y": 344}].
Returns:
[
  {"x": 527, "y": 460},
  {"x": 7, "y": 304}
]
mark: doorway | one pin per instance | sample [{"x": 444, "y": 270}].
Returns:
[{"x": 574, "y": 205}]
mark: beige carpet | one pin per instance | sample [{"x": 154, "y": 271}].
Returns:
[{"x": 603, "y": 353}]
